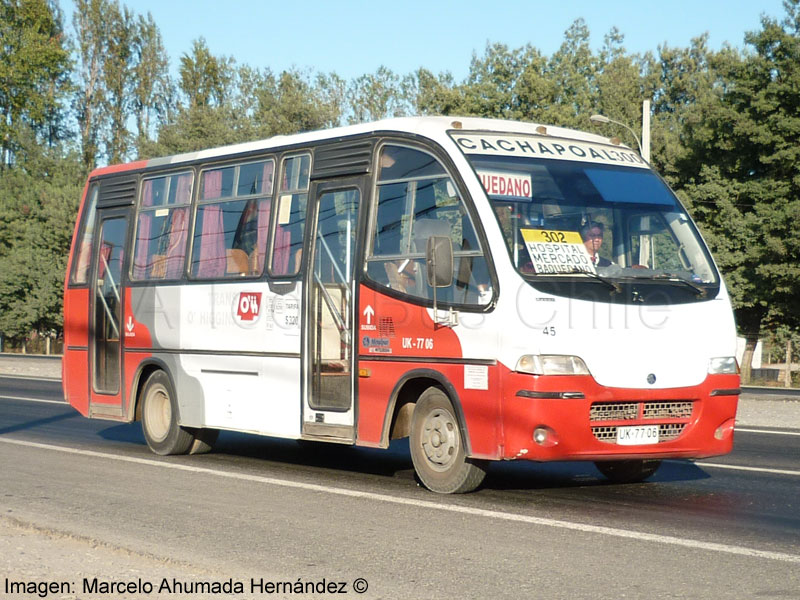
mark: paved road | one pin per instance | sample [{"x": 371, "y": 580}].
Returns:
[{"x": 281, "y": 511}]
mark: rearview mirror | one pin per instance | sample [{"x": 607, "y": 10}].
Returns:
[{"x": 439, "y": 261}]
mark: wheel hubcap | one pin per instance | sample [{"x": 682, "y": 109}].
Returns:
[
  {"x": 440, "y": 439},
  {"x": 158, "y": 414}
]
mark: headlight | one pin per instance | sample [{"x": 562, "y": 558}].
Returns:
[
  {"x": 723, "y": 365},
  {"x": 551, "y": 364}
]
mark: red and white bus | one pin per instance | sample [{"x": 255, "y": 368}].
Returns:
[{"x": 493, "y": 290}]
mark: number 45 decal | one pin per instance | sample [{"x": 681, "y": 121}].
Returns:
[{"x": 549, "y": 331}]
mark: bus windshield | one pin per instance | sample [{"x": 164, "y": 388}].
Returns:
[{"x": 561, "y": 216}]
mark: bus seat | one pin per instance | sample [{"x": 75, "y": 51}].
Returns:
[
  {"x": 254, "y": 263},
  {"x": 158, "y": 268},
  {"x": 236, "y": 261}
]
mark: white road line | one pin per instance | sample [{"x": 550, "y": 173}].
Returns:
[
  {"x": 768, "y": 431},
  {"x": 427, "y": 504},
  {"x": 29, "y": 377},
  {"x": 710, "y": 465},
  {"x": 42, "y": 400},
  {"x": 742, "y": 429},
  {"x": 753, "y": 469}
]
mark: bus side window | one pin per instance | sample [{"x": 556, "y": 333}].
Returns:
[
  {"x": 416, "y": 200},
  {"x": 287, "y": 243},
  {"x": 232, "y": 224},
  {"x": 162, "y": 227},
  {"x": 83, "y": 259}
]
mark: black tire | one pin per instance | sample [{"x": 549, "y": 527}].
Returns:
[
  {"x": 204, "y": 440},
  {"x": 437, "y": 447},
  {"x": 160, "y": 417},
  {"x": 627, "y": 471}
]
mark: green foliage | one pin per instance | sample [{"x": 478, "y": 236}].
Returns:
[
  {"x": 34, "y": 65},
  {"x": 38, "y": 206},
  {"x": 122, "y": 75},
  {"x": 377, "y": 96},
  {"x": 742, "y": 169},
  {"x": 205, "y": 79},
  {"x": 152, "y": 88},
  {"x": 725, "y": 129},
  {"x": 294, "y": 101}
]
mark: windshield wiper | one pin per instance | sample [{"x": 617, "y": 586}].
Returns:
[
  {"x": 613, "y": 286},
  {"x": 672, "y": 278}
]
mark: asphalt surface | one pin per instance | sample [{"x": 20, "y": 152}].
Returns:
[{"x": 275, "y": 510}]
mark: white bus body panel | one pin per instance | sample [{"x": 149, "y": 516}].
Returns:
[{"x": 241, "y": 343}]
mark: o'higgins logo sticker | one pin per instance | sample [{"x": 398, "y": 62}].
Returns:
[{"x": 247, "y": 308}]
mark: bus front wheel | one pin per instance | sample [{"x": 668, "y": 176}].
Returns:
[
  {"x": 627, "y": 471},
  {"x": 437, "y": 447},
  {"x": 160, "y": 417}
]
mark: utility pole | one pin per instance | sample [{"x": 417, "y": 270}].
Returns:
[
  {"x": 646, "y": 130},
  {"x": 787, "y": 374}
]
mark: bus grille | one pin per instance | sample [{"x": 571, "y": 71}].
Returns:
[
  {"x": 667, "y": 410},
  {"x": 614, "y": 411},
  {"x": 643, "y": 412},
  {"x": 623, "y": 411}
]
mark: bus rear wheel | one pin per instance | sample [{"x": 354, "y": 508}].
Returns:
[
  {"x": 437, "y": 447},
  {"x": 627, "y": 471},
  {"x": 160, "y": 418}
]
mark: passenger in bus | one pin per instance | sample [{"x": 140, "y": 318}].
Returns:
[
  {"x": 592, "y": 235},
  {"x": 409, "y": 275},
  {"x": 402, "y": 275}
]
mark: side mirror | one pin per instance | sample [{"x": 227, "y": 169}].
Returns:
[{"x": 439, "y": 261}]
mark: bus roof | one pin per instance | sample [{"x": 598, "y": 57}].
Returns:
[{"x": 434, "y": 128}]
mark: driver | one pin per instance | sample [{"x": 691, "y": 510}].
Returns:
[{"x": 592, "y": 235}]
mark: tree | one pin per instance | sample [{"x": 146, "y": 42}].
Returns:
[
  {"x": 376, "y": 96},
  {"x": 122, "y": 76},
  {"x": 573, "y": 68},
  {"x": 620, "y": 87},
  {"x": 747, "y": 191},
  {"x": 91, "y": 32},
  {"x": 434, "y": 95},
  {"x": 208, "y": 114},
  {"x": 678, "y": 81},
  {"x": 152, "y": 88},
  {"x": 295, "y": 101},
  {"x": 206, "y": 80},
  {"x": 537, "y": 90},
  {"x": 34, "y": 64},
  {"x": 38, "y": 203},
  {"x": 118, "y": 71}
]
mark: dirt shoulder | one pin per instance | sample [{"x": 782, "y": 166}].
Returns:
[{"x": 42, "y": 563}]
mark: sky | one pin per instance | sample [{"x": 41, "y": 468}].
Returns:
[{"x": 355, "y": 37}]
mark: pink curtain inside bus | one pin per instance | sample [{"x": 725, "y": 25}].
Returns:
[
  {"x": 263, "y": 216},
  {"x": 211, "y": 256},
  {"x": 140, "y": 261},
  {"x": 263, "y": 230},
  {"x": 179, "y": 227},
  {"x": 176, "y": 250}
]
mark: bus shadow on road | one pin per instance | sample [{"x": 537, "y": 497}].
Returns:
[
  {"x": 540, "y": 476},
  {"x": 395, "y": 462},
  {"x": 392, "y": 462},
  {"x": 36, "y": 423},
  {"x": 130, "y": 433}
]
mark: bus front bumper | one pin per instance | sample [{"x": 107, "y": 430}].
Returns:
[{"x": 552, "y": 418}]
